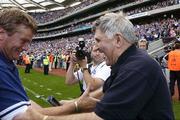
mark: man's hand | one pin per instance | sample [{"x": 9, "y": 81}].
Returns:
[
  {"x": 30, "y": 114},
  {"x": 82, "y": 63},
  {"x": 73, "y": 59},
  {"x": 86, "y": 103}
]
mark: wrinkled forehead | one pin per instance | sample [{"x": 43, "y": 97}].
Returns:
[{"x": 98, "y": 33}]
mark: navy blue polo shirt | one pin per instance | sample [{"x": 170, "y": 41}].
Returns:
[
  {"x": 136, "y": 90},
  {"x": 13, "y": 98}
]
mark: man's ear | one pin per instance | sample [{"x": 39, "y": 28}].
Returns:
[{"x": 119, "y": 40}]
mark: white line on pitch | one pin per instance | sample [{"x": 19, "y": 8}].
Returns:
[
  {"x": 58, "y": 93},
  {"x": 69, "y": 98},
  {"x": 49, "y": 89},
  {"x": 35, "y": 94},
  {"x": 35, "y": 83}
]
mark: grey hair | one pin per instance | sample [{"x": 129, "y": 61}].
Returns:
[{"x": 113, "y": 23}]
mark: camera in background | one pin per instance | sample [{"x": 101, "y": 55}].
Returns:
[{"x": 80, "y": 52}]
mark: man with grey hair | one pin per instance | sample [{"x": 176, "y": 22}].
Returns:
[{"x": 136, "y": 88}]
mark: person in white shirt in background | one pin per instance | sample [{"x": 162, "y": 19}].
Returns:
[{"x": 98, "y": 73}]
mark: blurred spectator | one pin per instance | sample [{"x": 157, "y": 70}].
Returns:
[
  {"x": 46, "y": 64},
  {"x": 174, "y": 67},
  {"x": 143, "y": 44}
]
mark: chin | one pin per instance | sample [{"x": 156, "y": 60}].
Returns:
[{"x": 108, "y": 63}]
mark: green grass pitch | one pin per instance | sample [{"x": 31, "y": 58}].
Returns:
[{"x": 39, "y": 87}]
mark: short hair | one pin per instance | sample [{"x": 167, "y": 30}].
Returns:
[
  {"x": 10, "y": 18},
  {"x": 112, "y": 23},
  {"x": 143, "y": 41},
  {"x": 177, "y": 44}
]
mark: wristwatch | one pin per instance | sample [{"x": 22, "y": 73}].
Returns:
[{"x": 83, "y": 69}]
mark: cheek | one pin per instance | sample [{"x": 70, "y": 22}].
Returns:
[
  {"x": 108, "y": 50},
  {"x": 104, "y": 50}
]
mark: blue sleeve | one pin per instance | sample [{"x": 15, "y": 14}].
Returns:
[{"x": 12, "y": 94}]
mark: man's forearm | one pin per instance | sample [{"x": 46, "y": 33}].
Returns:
[
  {"x": 94, "y": 82},
  {"x": 60, "y": 110},
  {"x": 98, "y": 94},
  {"x": 83, "y": 116},
  {"x": 70, "y": 74}
]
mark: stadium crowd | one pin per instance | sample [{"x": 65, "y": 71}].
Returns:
[
  {"x": 52, "y": 15},
  {"x": 60, "y": 49},
  {"x": 159, "y": 4},
  {"x": 69, "y": 29},
  {"x": 159, "y": 29},
  {"x": 153, "y": 30},
  {"x": 163, "y": 27},
  {"x": 167, "y": 27}
]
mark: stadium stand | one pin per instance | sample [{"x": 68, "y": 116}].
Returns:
[
  {"x": 155, "y": 21},
  {"x": 59, "y": 31}
]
